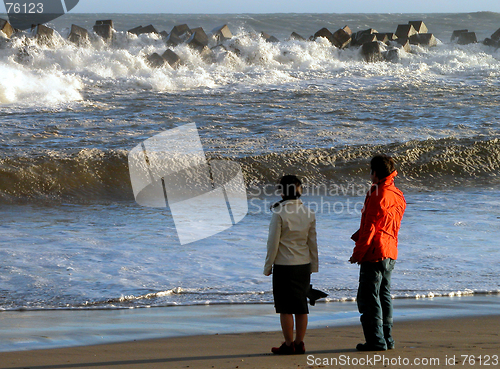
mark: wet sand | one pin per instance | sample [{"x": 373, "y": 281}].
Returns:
[
  {"x": 443, "y": 341},
  {"x": 429, "y": 333}
]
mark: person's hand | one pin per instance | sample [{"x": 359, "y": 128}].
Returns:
[
  {"x": 267, "y": 274},
  {"x": 352, "y": 260}
]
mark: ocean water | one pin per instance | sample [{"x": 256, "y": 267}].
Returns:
[{"x": 72, "y": 236}]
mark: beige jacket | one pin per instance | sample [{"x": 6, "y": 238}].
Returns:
[{"x": 292, "y": 236}]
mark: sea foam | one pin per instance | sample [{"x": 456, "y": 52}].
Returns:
[
  {"x": 58, "y": 73},
  {"x": 35, "y": 87}
]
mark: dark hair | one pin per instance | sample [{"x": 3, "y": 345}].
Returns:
[
  {"x": 289, "y": 187},
  {"x": 382, "y": 165}
]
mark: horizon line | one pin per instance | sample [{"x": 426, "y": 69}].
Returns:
[{"x": 269, "y": 13}]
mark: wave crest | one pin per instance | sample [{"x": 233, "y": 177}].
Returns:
[{"x": 94, "y": 175}]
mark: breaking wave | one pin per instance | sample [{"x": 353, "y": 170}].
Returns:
[
  {"x": 95, "y": 174},
  {"x": 36, "y": 74}
]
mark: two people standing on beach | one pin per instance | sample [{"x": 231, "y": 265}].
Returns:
[{"x": 292, "y": 255}]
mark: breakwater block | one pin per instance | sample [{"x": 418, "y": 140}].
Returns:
[
  {"x": 44, "y": 31},
  {"x": 142, "y": 30},
  {"x": 198, "y": 39},
  {"x": 135, "y": 30},
  {"x": 78, "y": 34},
  {"x": 6, "y": 28},
  {"x": 419, "y": 26},
  {"x": 372, "y": 51},
  {"x": 466, "y": 38},
  {"x": 155, "y": 60},
  {"x": 495, "y": 36},
  {"x": 181, "y": 30},
  {"x": 404, "y": 43},
  {"x": 207, "y": 55},
  {"x": 396, "y": 47},
  {"x": 324, "y": 32},
  {"x": 405, "y": 31},
  {"x": 342, "y": 37},
  {"x": 108, "y": 22},
  {"x": 171, "y": 58},
  {"x": 268, "y": 38},
  {"x": 367, "y": 38},
  {"x": 43, "y": 34},
  {"x": 296, "y": 36},
  {"x": 173, "y": 40},
  {"x": 222, "y": 33},
  {"x": 490, "y": 42},
  {"x": 456, "y": 33},
  {"x": 390, "y": 36},
  {"x": 392, "y": 54},
  {"x": 104, "y": 29},
  {"x": 424, "y": 39},
  {"x": 149, "y": 29},
  {"x": 361, "y": 37},
  {"x": 382, "y": 37}
]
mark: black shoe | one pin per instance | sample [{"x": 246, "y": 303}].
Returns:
[
  {"x": 300, "y": 349},
  {"x": 284, "y": 349},
  {"x": 314, "y": 295},
  {"x": 367, "y": 347}
]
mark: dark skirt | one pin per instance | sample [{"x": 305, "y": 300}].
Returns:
[{"x": 290, "y": 286}]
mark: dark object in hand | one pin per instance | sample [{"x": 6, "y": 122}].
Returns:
[{"x": 314, "y": 295}]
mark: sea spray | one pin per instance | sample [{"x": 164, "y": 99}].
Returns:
[{"x": 249, "y": 61}]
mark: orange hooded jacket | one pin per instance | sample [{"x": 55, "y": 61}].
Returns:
[{"x": 377, "y": 237}]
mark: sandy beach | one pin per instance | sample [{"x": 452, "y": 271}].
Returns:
[{"x": 436, "y": 343}]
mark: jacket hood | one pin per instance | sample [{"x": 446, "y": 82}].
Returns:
[
  {"x": 389, "y": 178},
  {"x": 386, "y": 181}
]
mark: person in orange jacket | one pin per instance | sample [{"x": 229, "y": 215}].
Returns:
[{"x": 376, "y": 251}]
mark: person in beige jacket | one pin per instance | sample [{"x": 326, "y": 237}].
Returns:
[{"x": 292, "y": 255}]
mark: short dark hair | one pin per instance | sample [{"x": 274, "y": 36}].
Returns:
[
  {"x": 289, "y": 187},
  {"x": 382, "y": 165}
]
